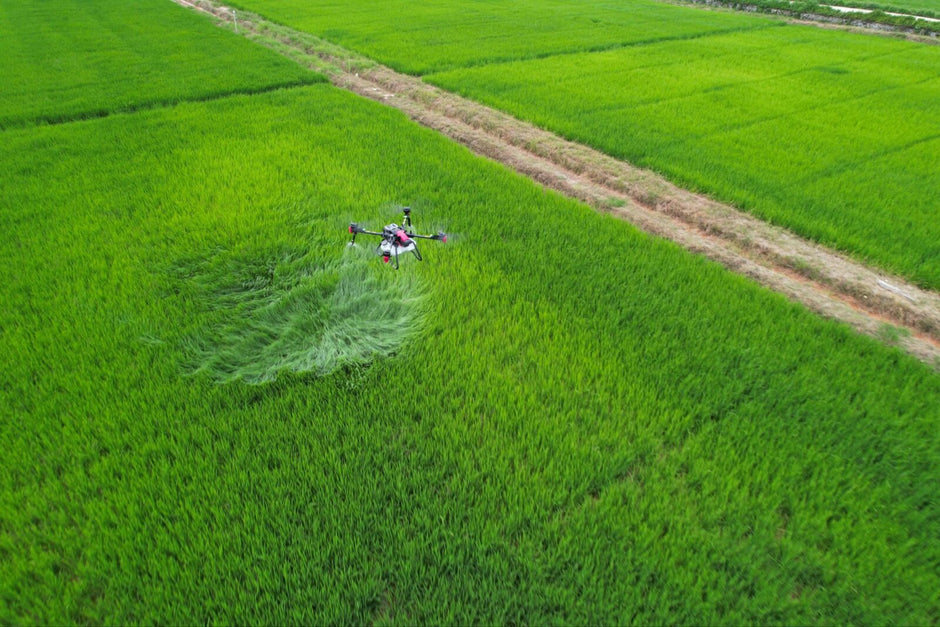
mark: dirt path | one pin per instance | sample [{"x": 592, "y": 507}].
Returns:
[
  {"x": 846, "y": 22},
  {"x": 883, "y": 306},
  {"x": 866, "y": 11}
]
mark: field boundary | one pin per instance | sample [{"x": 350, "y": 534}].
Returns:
[
  {"x": 872, "y": 302},
  {"x": 912, "y": 27},
  {"x": 157, "y": 103}
]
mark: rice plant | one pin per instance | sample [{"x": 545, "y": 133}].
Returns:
[
  {"x": 419, "y": 38},
  {"x": 286, "y": 311},
  {"x": 211, "y": 410},
  {"x": 832, "y": 135},
  {"x": 580, "y": 433},
  {"x": 72, "y": 59}
]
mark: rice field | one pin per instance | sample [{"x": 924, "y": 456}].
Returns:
[
  {"x": 576, "y": 422},
  {"x": 421, "y": 38},
  {"x": 835, "y": 136},
  {"x": 71, "y": 59},
  {"x": 568, "y": 436},
  {"x": 832, "y": 135}
]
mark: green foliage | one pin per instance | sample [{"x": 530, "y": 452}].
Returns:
[
  {"x": 832, "y": 135},
  {"x": 285, "y": 311},
  {"x": 591, "y": 426},
  {"x": 926, "y": 8},
  {"x": 929, "y": 8},
  {"x": 875, "y": 14},
  {"x": 580, "y": 423},
  {"x": 891, "y": 334},
  {"x": 73, "y": 59},
  {"x": 419, "y": 38}
]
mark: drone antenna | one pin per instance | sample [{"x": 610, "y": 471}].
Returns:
[{"x": 406, "y": 221}]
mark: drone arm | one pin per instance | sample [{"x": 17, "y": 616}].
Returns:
[
  {"x": 355, "y": 229},
  {"x": 441, "y": 237}
]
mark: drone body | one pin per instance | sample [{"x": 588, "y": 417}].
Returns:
[{"x": 396, "y": 240}]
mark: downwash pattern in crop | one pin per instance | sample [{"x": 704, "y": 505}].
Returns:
[
  {"x": 579, "y": 433},
  {"x": 833, "y": 135}
]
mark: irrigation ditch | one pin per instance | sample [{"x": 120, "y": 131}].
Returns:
[{"x": 872, "y": 302}]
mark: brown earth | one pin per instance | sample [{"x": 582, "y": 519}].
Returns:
[{"x": 872, "y": 302}]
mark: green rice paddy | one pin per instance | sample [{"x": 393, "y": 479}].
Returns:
[
  {"x": 71, "y": 59},
  {"x": 576, "y": 423},
  {"x": 420, "y": 38},
  {"x": 292, "y": 311},
  {"x": 833, "y": 135}
]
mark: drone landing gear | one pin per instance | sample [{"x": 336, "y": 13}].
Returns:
[{"x": 388, "y": 251}]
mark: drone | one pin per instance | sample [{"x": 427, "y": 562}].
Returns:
[{"x": 396, "y": 240}]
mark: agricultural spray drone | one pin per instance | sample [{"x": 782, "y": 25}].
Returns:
[{"x": 396, "y": 240}]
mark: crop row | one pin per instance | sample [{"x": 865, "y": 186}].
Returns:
[
  {"x": 420, "y": 38},
  {"x": 833, "y": 135},
  {"x": 592, "y": 425},
  {"x": 72, "y": 59}
]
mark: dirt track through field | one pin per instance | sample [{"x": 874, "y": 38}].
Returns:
[{"x": 872, "y": 302}]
